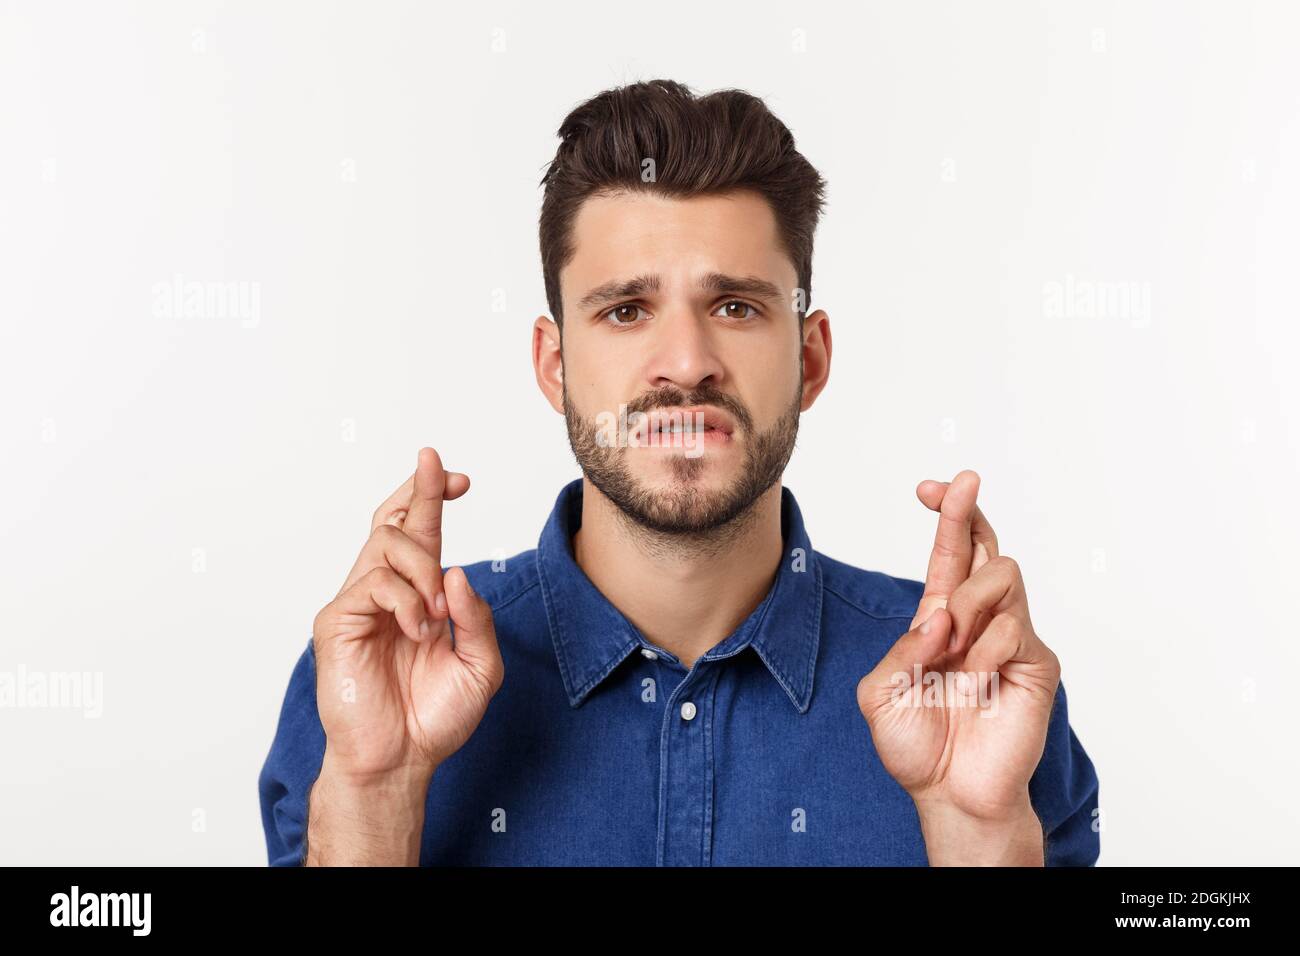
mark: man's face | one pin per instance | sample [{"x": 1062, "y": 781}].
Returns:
[{"x": 680, "y": 309}]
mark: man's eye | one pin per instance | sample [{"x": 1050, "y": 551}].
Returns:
[
  {"x": 623, "y": 314},
  {"x": 735, "y": 303}
]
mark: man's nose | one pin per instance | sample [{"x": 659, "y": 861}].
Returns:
[{"x": 684, "y": 351}]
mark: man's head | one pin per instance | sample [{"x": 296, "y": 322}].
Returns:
[{"x": 676, "y": 239}]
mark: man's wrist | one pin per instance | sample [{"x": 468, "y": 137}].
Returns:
[
  {"x": 366, "y": 819},
  {"x": 954, "y": 837}
]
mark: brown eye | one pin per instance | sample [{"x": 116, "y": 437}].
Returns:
[
  {"x": 623, "y": 314},
  {"x": 730, "y": 306}
]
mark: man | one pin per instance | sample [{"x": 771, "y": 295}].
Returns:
[{"x": 674, "y": 676}]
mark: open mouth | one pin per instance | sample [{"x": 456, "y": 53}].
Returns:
[
  {"x": 696, "y": 421},
  {"x": 694, "y": 428}
]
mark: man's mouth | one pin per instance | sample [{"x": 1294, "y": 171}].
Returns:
[{"x": 690, "y": 421}]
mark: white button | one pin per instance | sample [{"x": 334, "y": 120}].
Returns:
[
  {"x": 649, "y": 654},
  {"x": 688, "y": 711}
]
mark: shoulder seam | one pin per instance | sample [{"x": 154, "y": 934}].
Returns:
[
  {"x": 529, "y": 579},
  {"x": 506, "y": 602},
  {"x": 858, "y": 607}
]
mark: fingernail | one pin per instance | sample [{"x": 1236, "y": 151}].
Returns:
[
  {"x": 925, "y": 625},
  {"x": 952, "y": 639},
  {"x": 440, "y": 602},
  {"x": 424, "y": 628}
]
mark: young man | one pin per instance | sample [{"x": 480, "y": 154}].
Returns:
[{"x": 674, "y": 676}]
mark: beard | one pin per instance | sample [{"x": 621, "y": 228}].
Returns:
[{"x": 685, "y": 510}]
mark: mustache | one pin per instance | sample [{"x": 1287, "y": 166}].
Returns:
[{"x": 670, "y": 396}]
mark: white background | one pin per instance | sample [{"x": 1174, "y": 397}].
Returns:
[{"x": 371, "y": 169}]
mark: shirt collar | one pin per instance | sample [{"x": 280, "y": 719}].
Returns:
[{"x": 592, "y": 637}]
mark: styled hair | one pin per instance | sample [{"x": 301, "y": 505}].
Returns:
[{"x": 699, "y": 145}]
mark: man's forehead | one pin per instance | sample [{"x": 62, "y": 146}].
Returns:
[{"x": 636, "y": 233}]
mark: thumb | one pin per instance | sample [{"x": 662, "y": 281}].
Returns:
[
  {"x": 471, "y": 619},
  {"x": 897, "y": 669}
]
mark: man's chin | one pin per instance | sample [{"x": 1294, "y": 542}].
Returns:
[
  {"x": 697, "y": 476},
  {"x": 682, "y": 505}
]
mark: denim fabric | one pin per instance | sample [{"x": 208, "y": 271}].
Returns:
[{"x": 585, "y": 755}]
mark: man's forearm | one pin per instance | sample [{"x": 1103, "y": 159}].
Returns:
[
  {"x": 953, "y": 838},
  {"x": 371, "y": 822}
]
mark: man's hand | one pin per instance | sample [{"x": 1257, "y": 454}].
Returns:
[
  {"x": 959, "y": 706},
  {"x": 395, "y": 697}
]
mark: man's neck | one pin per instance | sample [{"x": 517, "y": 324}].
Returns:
[{"x": 685, "y": 595}]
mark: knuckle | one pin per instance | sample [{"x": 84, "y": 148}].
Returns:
[
  {"x": 1011, "y": 631},
  {"x": 956, "y": 604},
  {"x": 430, "y": 524},
  {"x": 944, "y": 549},
  {"x": 1004, "y": 625},
  {"x": 387, "y": 516},
  {"x": 379, "y": 576},
  {"x": 323, "y": 626},
  {"x": 1006, "y": 565}
]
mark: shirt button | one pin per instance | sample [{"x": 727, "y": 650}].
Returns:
[
  {"x": 649, "y": 654},
  {"x": 688, "y": 711}
]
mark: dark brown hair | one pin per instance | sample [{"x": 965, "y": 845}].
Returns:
[{"x": 709, "y": 144}]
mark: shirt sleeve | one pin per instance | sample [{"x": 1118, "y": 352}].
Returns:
[
  {"x": 1064, "y": 791},
  {"x": 292, "y": 766}
]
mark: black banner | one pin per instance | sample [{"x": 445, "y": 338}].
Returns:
[{"x": 261, "y": 904}]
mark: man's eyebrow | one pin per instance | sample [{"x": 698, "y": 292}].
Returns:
[
  {"x": 718, "y": 283},
  {"x": 723, "y": 284},
  {"x": 619, "y": 289}
]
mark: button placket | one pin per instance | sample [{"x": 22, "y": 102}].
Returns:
[{"x": 686, "y": 774}]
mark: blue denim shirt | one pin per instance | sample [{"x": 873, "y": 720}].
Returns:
[{"x": 601, "y": 749}]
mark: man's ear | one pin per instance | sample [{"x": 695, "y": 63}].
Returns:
[
  {"x": 548, "y": 364},
  {"x": 816, "y": 356}
]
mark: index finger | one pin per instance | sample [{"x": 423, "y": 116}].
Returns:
[
  {"x": 983, "y": 536},
  {"x": 953, "y": 550},
  {"x": 423, "y": 522},
  {"x": 396, "y": 506}
]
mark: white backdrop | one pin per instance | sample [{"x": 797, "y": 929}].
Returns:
[{"x": 1077, "y": 222}]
